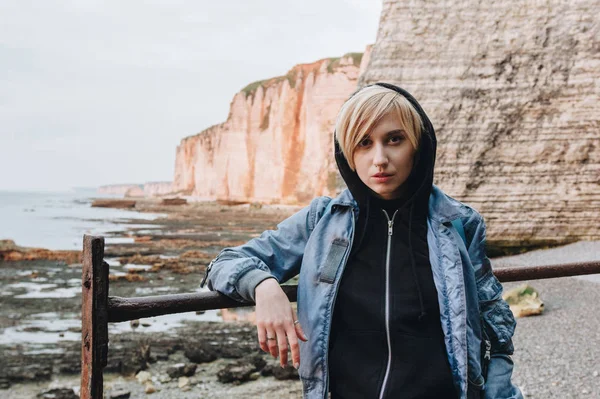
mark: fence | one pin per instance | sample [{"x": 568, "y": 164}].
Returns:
[{"x": 98, "y": 309}]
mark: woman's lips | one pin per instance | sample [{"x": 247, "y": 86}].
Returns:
[{"x": 382, "y": 178}]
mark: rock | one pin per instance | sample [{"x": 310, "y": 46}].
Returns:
[
  {"x": 114, "y": 203},
  {"x": 241, "y": 370},
  {"x": 183, "y": 382},
  {"x": 181, "y": 369},
  {"x": 595, "y": 374},
  {"x": 4, "y": 383},
  {"x": 174, "y": 201},
  {"x": 10, "y": 252},
  {"x": 134, "y": 323},
  {"x": 200, "y": 355},
  {"x": 58, "y": 393},
  {"x": 254, "y": 376},
  {"x": 149, "y": 388},
  {"x": 189, "y": 370},
  {"x": 267, "y": 371},
  {"x": 285, "y": 373},
  {"x": 120, "y": 394},
  {"x": 176, "y": 370},
  {"x": 143, "y": 376},
  {"x": 235, "y": 373},
  {"x": 524, "y": 301}
]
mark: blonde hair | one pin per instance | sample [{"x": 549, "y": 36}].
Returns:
[{"x": 363, "y": 111}]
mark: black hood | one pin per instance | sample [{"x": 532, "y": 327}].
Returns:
[
  {"x": 415, "y": 200},
  {"x": 420, "y": 180}
]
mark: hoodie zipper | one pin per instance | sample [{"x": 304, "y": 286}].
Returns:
[{"x": 387, "y": 299}]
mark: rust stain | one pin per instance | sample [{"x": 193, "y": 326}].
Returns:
[{"x": 296, "y": 144}]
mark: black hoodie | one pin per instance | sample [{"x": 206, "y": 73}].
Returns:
[{"x": 380, "y": 307}]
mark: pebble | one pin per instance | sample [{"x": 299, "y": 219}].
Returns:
[
  {"x": 143, "y": 376},
  {"x": 120, "y": 394},
  {"x": 149, "y": 388},
  {"x": 595, "y": 374},
  {"x": 183, "y": 382}
]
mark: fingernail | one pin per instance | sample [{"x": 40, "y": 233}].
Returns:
[
  {"x": 282, "y": 366},
  {"x": 296, "y": 365}
]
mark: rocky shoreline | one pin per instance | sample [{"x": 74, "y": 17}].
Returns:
[
  {"x": 40, "y": 323},
  {"x": 40, "y": 297}
]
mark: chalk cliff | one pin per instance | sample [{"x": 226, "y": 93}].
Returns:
[
  {"x": 276, "y": 144},
  {"x": 150, "y": 189},
  {"x": 118, "y": 189},
  {"x": 513, "y": 91},
  {"x": 158, "y": 189}
]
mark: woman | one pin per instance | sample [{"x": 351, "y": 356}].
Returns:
[{"x": 395, "y": 292}]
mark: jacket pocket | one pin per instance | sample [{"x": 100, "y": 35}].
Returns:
[{"x": 333, "y": 260}]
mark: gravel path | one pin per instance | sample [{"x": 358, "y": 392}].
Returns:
[{"x": 557, "y": 354}]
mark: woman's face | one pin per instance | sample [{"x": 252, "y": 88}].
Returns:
[{"x": 384, "y": 158}]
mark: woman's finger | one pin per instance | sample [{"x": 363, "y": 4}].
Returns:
[
  {"x": 294, "y": 348},
  {"x": 298, "y": 327},
  {"x": 272, "y": 342},
  {"x": 283, "y": 346},
  {"x": 262, "y": 337}
]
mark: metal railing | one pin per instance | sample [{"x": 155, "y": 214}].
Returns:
[{"x": 98, "y": 309}]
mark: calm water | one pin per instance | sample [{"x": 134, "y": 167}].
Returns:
[{"x": 59, "y": 220}]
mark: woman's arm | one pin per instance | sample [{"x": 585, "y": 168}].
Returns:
[
  {"x": 498, "y": 320},
  {"x": 236, "y": 271},
  {"x": 253, "y": 271}
]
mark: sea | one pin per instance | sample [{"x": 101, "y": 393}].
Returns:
[{"x": 58, "y": 220}]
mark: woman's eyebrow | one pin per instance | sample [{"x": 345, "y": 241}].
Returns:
[{"x": 392, "y": 132}]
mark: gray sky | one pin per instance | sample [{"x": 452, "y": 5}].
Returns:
[{"x": 101, "y": 92}]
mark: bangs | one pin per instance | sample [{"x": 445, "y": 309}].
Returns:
[{"x": 365, "y": 109}]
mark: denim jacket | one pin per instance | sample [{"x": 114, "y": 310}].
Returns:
[{"x": 315, "y": 243}]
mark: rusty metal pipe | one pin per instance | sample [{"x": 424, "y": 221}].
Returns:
[
  {"x": 506, "y": 274},
  {"x": 123, "y": 309}
]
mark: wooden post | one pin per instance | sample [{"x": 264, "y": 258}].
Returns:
[{"x": 94, "y": 317}]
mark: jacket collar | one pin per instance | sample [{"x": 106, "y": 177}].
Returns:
[{"x": 442, "y": 208}]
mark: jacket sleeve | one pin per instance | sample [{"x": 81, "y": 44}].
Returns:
[
  {"x": 497, "y": 318},
  {"x": 236, "y": 271}
]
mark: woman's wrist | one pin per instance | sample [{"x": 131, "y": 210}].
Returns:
[{"x": 265, "y": 285}]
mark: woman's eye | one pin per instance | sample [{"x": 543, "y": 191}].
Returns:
[
  {"x": 396, "y": 139},
  {"x": 364, "y": 142}
]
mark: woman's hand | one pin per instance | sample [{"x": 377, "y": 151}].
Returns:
[{"x": 275, "y": 319}]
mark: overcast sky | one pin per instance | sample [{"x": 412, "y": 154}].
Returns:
[{"x": 101, "y": 92}]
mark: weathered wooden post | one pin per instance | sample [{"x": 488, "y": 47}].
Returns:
[{"x": 94, "y": 317}]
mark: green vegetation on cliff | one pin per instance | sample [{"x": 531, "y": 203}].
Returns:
[{"x": 292, "y": 74}]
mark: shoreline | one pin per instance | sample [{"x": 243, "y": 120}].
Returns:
[{"x": 41, "y": 303}]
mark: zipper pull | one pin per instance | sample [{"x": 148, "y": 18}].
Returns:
[
  {"x": 390, "y": 227},
  {"x": 206, "y": 274}
]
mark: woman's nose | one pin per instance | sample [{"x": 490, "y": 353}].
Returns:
[{"x": 379, "y": 156}]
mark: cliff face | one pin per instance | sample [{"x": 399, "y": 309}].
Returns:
[
  {"x": 512, "y": 89},
  {"x": 118, "y": 189},
  {"x": 276, "y": 145},
  {"x": 151, "y": 189},
  {"x": 158, "y": 189}
]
